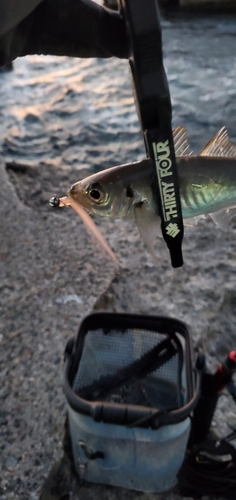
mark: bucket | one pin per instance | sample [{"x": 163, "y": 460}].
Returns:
[{"x": 131, "y": 386}]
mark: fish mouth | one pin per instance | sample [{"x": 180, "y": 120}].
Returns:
[
  {"x": 74, "y": 190},
  {"x": 78, "y": 194}
]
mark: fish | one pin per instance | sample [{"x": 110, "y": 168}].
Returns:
[{"x": 207, "y": 185}]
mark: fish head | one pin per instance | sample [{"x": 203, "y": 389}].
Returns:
[{"x": 104, "y": 193}]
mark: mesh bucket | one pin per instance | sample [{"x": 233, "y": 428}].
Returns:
[{"x": 130, "y": 380}]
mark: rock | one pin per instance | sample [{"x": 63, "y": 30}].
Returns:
[{"x": 10, "y": 462}]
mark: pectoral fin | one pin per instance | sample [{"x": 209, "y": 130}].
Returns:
[
  {"x": 149, "y": 226},
  {"x": 192, "y": 221},
  {"x": 223, "y": 218}
]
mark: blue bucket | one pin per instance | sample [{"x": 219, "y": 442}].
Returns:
[{"x": 131, "y": 386}]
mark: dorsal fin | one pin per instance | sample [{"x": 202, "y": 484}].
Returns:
[
  {"x": 219, "y": 145},
  {"x": 181, "y": 141}
]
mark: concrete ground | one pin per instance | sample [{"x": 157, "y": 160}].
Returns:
[{"x": 51, "y": 276}]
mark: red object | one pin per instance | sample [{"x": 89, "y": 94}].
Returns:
[
  {"x": 232, "y": 357},
  {"x": 224, "y": 372}
]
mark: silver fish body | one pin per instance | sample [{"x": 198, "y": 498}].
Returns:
[{"x": 207, "y": 185}]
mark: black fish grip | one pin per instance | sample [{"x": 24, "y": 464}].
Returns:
[{"x": 153, "y": 105}]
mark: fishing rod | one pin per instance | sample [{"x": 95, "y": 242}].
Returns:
[{"x": 153, "y": 105}]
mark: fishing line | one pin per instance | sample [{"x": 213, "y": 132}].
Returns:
[{"x": 91, "y": 227}]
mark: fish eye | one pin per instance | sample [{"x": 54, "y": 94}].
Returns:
[{"x": 96, "y": 193}]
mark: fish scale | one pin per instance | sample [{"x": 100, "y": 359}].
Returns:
[
  {"x": 193, "y": 200},
  {"x": 206, "y": 184}
]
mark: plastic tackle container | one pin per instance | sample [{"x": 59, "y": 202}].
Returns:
[{"x": 131, "y": 386}]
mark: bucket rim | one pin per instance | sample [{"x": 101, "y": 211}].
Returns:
[{"x": 126, "y": 414}]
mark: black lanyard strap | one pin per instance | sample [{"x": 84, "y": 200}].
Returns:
[{"x": 153, "y": 105}]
